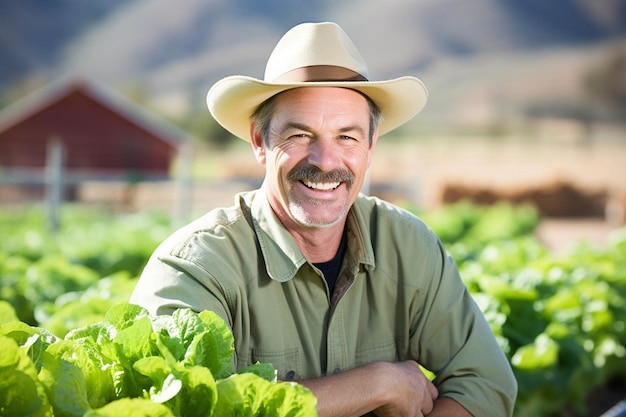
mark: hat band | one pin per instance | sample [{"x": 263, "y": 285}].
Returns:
[{"x": 319, "y": 73}]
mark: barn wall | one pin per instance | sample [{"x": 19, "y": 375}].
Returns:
[{"x": 95, "y": 138}]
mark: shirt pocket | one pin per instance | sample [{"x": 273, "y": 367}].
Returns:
[
  {"x": 286, "y": 362},
  {"x": 385, "y": 350}
]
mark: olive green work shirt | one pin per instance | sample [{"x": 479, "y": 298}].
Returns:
[{"x": 398, "y": 296}]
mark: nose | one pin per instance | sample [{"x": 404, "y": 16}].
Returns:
[{"x": 323, "y": 153}]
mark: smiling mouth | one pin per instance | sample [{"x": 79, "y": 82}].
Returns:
[
  {"x": 322, "y": 186},
  {"x": 315, "y": 179}
]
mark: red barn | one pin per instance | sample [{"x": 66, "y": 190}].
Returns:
[{"x": 104, "y": 135}]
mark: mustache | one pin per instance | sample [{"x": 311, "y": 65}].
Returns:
[{"x": 310, "y": 173}]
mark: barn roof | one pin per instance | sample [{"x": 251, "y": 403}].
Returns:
[{"x": 47, "y": 96}]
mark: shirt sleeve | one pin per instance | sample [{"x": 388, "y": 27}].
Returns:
[
  {"x": 169, "y": 282},
  {"x": 455, "y": 342}
]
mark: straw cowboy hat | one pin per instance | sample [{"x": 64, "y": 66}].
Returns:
[{"x": 313, "y": 55}]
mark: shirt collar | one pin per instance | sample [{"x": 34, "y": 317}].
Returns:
[
  {"x": 359, "y": 226},
  {"x": 282, "y": 255}
]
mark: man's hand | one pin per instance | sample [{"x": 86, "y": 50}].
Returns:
[{"x": 409, "y": 392}]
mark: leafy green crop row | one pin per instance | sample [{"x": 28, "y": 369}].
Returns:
[
  {"x": 133, "y": 364},
  {"x": 561, "y": 320},
  {"x": 40, "y": 271}
]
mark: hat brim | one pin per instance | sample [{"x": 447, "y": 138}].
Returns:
[{"x": 233, "y": 99}]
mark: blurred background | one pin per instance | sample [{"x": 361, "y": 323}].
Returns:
[
  {"x": 527, "y": 98},
  {"x": 102, "y": 106}
]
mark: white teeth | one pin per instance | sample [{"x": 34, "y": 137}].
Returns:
[{"x": 325, "y": 186}]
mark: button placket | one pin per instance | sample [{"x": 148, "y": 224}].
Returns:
[{"x": 336, "y": 342}]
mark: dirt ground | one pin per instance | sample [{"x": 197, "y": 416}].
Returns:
[
  {"x": 426, "y": 167},
  {"x": 422, "y": 171}
]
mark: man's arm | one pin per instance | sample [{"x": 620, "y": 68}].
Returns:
[
  {"x": 387, "y": 389},
  {"x": 447, "y": 407}
]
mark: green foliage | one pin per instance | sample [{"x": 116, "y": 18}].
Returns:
[
  {"x": 21, "y": 393},
  {"x": 80, "y": 308},
  {"x": 41, "y": 272},
  {"x": 560, "y": 320},
  {"x": 7, "y": 313},
  {"x": 131, "y": 363}
]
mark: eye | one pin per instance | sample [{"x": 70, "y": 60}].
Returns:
[{"x": 298, "y": 137}]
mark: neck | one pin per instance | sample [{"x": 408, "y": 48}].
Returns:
[{"x": 318, "y": 244}]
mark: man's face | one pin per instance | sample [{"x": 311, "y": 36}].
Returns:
[{"x": 318, "y": 152}]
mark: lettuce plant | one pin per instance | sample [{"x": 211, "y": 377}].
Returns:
[{"x": 132, "y": 363}]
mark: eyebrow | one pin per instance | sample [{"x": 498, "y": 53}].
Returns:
[
  {"x": 300, "y": 126},
  {"x": 355, "y": 128},
  {"x": 295, "y": 126}
]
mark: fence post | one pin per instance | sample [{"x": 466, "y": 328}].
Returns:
[{"x": 55, "y": 156}]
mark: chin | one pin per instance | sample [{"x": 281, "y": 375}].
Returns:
[{"x": 302, "y": 218}]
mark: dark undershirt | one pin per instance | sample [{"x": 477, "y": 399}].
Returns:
[{"x": 330, "y": 269}]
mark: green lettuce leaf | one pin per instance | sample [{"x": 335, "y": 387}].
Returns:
[
  {"x": 264, "y": 370},
  {"x": 195, "y": 339},
  {"x": 248, "y": 395},
  {"x": 21, "y": 392},
  {"x": 198, "y": 396},
  {"x": 96, "y": 369},
  {"x": 34, "y": 340},
  {"x": 215, "y": 348},
  {"x": 65, "y": 386},
  {"x": 124, "y": 315},
  {"x": 136, "y": 407},
  {"x": 132, "y": 340},
  {"x": 188, "y": 391},
  {"x": 7, "y": 312}
]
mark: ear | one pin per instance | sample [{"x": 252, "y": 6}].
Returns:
[{"x": 258, "y": 146}]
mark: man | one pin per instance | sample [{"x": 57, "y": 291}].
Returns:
[{"x": 343, "y": 293}]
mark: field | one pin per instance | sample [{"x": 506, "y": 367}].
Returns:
[
  {"x": 560, "y": 319},
  {"x": 552, "y": 288}
]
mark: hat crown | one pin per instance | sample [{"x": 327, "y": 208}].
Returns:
[
  {"x": 313, "y": 55},
  {"x": 314, "y": 45}
]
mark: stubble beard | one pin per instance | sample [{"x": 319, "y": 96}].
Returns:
[
  {"x": 302, "y": 217},
  {"x": 310, "y": 173}
]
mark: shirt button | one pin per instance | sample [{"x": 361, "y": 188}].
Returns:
[{"x": 290, "y": 375}]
